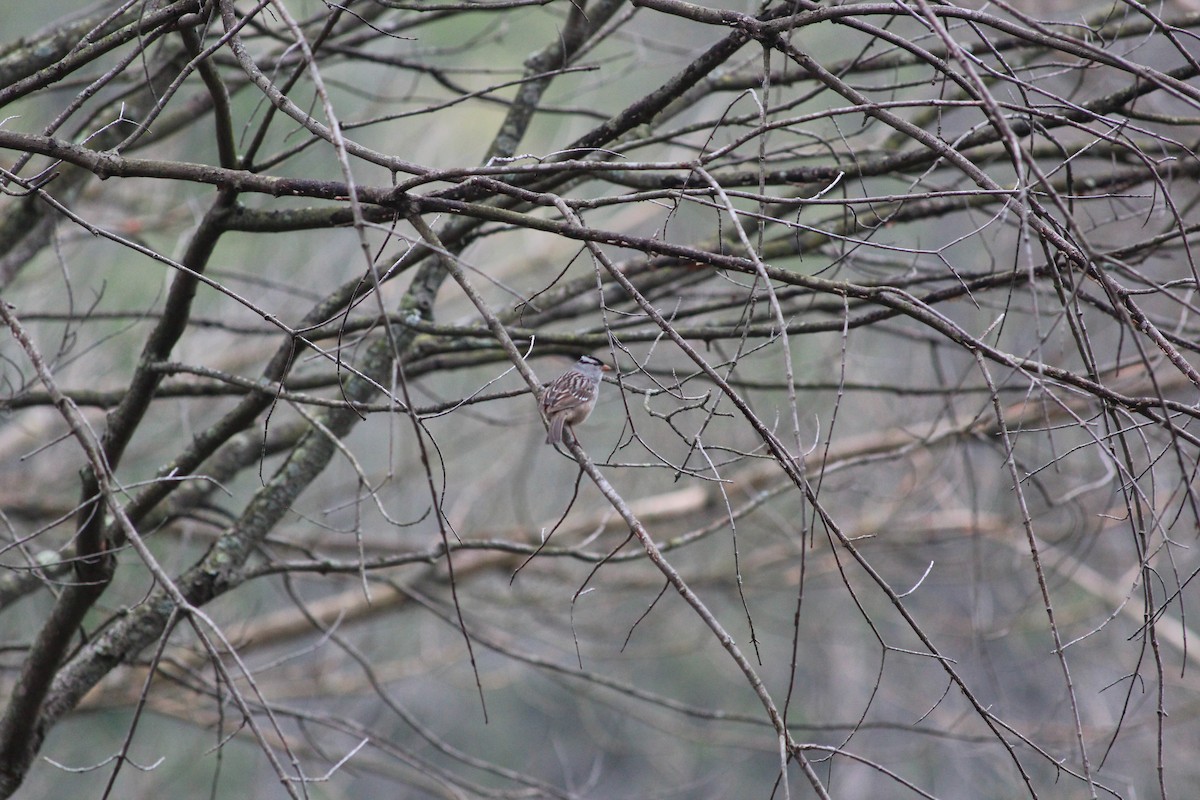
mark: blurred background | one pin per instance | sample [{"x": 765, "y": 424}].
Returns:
[{"x": 899, "y": 304}]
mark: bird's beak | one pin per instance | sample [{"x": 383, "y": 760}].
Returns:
[{"x": 605, "y": 368}]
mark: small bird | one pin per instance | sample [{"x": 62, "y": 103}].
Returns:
[{"x": 570, "y": 398}]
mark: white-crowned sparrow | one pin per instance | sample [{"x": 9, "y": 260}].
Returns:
[{"x": 570, "y": 398}]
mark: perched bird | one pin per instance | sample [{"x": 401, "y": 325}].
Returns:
[{"x": 570, "y": 398}]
